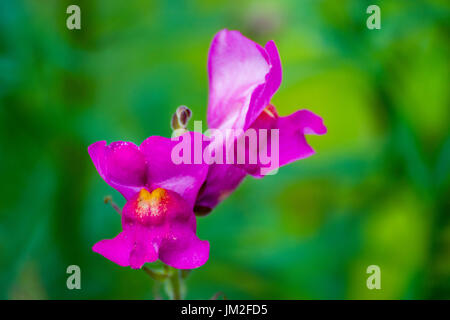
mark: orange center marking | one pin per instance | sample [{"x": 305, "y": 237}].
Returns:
[{"x": 151, "y": 203}]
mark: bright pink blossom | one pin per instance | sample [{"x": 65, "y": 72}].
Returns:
[
  {"x": 158, "y": 220},
  {"x": 243, "y": 77}
]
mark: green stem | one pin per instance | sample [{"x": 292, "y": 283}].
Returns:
[
  {"x": 155, "y": 275},
  {"x": 175, "y": 284}
]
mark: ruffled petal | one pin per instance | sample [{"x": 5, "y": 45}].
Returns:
[
  {"x": 292, "y": 144},
  {"x": 144, "y": 247},
  {"x": 128, "y": 248},
  {"x": 117, "y": 249},
  {"x": 243, "y": 76},
  {"x": 183, "y": 250},
  {"x": 293, "y": 128},
  {"x": 276, "y": 73},
  {"x": 164, "y": 171},
  {"x": 121, "y": 165},
  {"x": 221, "y": 180},
  {"x": 262, "y": 95}
]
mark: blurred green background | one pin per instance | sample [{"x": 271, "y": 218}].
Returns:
[{"x": 376, "y": 192}]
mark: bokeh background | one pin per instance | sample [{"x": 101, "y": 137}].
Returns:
[{"x": 376, "y": 192}]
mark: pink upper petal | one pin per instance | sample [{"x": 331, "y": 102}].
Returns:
[
  {"x": 262, "y": 95},
  {"x": 243, "y": 76},
  {"x": 185, "y": 179},
  {"x": 121, "y": 165}
]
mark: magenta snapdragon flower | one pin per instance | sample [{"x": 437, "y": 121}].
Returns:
[
  {"x": 243, "y": 77},
  {"x": 158, "y": 221}
]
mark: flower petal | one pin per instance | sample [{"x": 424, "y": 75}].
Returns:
[
  {"x": 242, "y": 79},
  {"x": 163, "y": 172},
  {"x": 293, "y": 128},
  {"x": 144, "y": 248},
  {"x": 292, "y": 142},
  {"x": 221, "y": 180},
  {"x": 183, "y": 250},
  {"x": 117, "y": 249},
  {"x": 262, "y": 95},
  {"x": 128, "y": 248},
  {"x": 121, "y": 165},
  {"x": 275, "y": 74}
]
